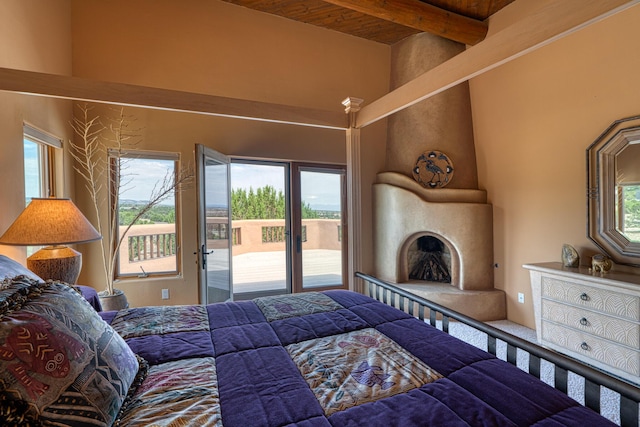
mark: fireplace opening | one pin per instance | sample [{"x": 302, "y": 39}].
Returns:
[{"x": 429, "y": 259}]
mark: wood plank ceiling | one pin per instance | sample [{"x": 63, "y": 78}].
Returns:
[{"x": 388, "y": 21}]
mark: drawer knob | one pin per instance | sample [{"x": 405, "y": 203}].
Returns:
[
  {"x": 584, "y": 321},
  {"x": 585, "y": 346},
  {"x": 584, "y": 297}
]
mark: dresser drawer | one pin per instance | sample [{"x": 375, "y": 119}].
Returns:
[
  {"x": 621, "y": 331},
  {"x": 604, "y": 300},
  {"x": 592, "y": 347}
]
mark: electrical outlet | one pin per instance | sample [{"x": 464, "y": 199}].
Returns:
[
  {"x": 520, "y": 297},
  {"x": 165, "y": 294}
]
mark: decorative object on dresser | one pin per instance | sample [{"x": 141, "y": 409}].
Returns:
[
  {"x": 593, "y": 318},
  {"x": 54, "y": 223},
  {"x": 600, "y": 264},
  {"x": 570, "y": 257}
]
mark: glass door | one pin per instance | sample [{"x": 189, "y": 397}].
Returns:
[
  {"x": 214, "y": 253},
  {"x": 260, "y": 228},
  {"x": 320, "y": 234}
]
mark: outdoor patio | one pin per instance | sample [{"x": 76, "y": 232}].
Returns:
[{"x": 266, "y": 270}]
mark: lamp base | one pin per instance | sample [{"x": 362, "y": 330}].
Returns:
[{"x": 56, "y": 263}]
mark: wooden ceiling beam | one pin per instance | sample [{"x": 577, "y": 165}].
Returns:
[
  {"x": 552, "y": 22},
  {"x": 421, "y": 16},
  {"x": 76, "y": 88}
]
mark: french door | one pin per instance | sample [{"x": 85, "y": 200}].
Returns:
[
  {"x": 214, "y": 225},
  {"x": 319, "y": 232},
  {"x": 269, "y": 228},
  {"x": 261, "y": 227}
]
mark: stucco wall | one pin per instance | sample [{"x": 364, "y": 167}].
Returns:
[
  {"x": 533, "y": 117},
  {"x": 533, "y": 121},
  {"x": 35, "y": 35},
  {"x": 442, "y": 122},
  {"x": 226, "y": 50}
]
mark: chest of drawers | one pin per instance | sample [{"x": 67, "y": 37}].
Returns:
[{"x": 593, "y": 318}]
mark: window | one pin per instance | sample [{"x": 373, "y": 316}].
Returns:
[
  {"x": 146, "y": 204},
  {"x": 39, "y": 149}
]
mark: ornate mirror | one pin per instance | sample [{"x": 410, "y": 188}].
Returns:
[{"x": 613, "y": 172}]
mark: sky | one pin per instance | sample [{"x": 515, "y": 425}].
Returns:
[
  {"x": 141, "y": 175},
  {"x": 31, "y": 170},
  {"x": 320, "y": 190}
]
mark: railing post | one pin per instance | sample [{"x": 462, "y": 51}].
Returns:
[{"x": 130, "y": 248}]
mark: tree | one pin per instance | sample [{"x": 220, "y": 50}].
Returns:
[
  {"x": 264, "y": 203},
  {"x": 632, "y": 205}
]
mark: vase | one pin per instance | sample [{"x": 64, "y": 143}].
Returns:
[{"x": 117, "y": 301}]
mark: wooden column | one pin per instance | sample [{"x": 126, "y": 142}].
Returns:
[{"x": 354, "y": 225}]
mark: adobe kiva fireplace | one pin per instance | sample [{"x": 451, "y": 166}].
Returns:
[
  {"x": 434, "y": 242},
  {"x": 407, "y": 216}
]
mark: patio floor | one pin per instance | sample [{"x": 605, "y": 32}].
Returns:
[
  {"x": 259, "y": 271},
  {"x": 263, "y": 271}
]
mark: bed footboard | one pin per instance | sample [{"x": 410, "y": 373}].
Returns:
[{"x": 594, "y": 380}]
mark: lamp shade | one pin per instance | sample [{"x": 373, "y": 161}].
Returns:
[{"x": 50, "y": 221}]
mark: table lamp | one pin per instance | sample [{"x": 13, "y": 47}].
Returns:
[{"x": 53, "y": 223}]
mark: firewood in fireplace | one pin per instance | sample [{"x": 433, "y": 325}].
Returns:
[{"x": 429, "y": 265}]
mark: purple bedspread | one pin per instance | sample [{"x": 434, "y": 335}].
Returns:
[
  {"x": 91, "y": 295},
  {"x": 335, "y": 358}
]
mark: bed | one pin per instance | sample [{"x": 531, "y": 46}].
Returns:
[{"x": 334, "y": 358}]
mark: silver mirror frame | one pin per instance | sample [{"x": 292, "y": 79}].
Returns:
[{"x": 601, "y": 195}]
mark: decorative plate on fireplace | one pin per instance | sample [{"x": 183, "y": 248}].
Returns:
[{"x": 433, "y": 169}]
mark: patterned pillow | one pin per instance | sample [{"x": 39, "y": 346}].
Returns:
[
  {"x": 11, "y": 268},
  {"x": 60, "y": 363}
]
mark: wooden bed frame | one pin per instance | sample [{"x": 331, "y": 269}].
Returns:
[{"x": 594, "y": 379}]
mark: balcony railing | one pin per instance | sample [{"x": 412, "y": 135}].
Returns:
[
  {"x": 151, "y": 246},
  {"x": 157, "y": 241}
]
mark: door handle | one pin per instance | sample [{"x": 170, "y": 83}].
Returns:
[
  {"x": 298, "y": 244},
  {"x": 203, "y": 254}
]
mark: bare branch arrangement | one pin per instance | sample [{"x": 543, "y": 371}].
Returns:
[{"x": 100, "y": 160}]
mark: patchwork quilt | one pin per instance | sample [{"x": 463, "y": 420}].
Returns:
[{"x": 335, "y": 358}]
